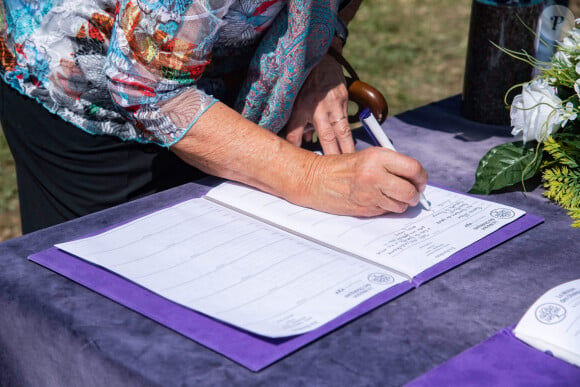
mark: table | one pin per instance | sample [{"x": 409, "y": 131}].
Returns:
[{"x": 54, "y": 332}]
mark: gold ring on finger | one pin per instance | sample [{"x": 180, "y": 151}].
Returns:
[{"x": 332, "y": 123}]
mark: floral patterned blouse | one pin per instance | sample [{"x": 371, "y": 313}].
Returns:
[{"x": 146, "y": 70}]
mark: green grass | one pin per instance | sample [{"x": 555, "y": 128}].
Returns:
[
  {"x": 9, "y": 221},
  {"x": 7, "y": 191},
  {"x": 413, "y": 51}
]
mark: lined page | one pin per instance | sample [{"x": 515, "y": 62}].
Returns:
[{"x": 234, "y": 268}]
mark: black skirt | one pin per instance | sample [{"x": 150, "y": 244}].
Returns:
[{"x": 64, "y": 172}]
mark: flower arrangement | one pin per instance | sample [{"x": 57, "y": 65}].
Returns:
[{"x": 545, "y": 115}]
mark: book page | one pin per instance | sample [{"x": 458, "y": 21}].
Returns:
[
  {"x": 408, "y": 243},
  {"x": 234, "y": 268},
  {"x": 553, "y": 323}
]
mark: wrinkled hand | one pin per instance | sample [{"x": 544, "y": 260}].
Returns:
[
  {"x": 371, "y": 182},
  {"x": 322, "y": 105}
]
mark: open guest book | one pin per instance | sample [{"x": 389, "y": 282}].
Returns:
[
  {"x": 543, "y": 349},
  {"x": 255, "y": 277}
]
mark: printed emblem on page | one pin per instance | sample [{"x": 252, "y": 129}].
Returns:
[
  {"x": 502, "y": 213},
  {"x": 550, "y": 313},
  {"x": 381, "y": 278}
]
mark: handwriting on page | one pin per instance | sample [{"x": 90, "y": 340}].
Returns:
[
  {"x": 408, "y": 243},
  {"x": 448, "y": 215}
]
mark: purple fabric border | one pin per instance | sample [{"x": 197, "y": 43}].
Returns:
[
  {"x": 501, "y": 360},
  {"x": 251, "y": 351}
]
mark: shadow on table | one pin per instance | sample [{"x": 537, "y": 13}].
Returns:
[
  {"x": 530, "y": 185},
  {"x": 445, "y": 116}
]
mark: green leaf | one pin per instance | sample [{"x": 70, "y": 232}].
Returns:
[
  {"x": 570, "y": 142},
  {"x": 505, "y": 165}
]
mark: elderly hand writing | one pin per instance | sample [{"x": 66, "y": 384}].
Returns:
[
  {"x": 371, "y": 182},
  {"x": 367, "y": 183}
]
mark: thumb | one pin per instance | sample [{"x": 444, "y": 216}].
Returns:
[{"x": 295, "y": 130}]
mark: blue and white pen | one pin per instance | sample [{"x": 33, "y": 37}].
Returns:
[{"x": 379, "y": 137}]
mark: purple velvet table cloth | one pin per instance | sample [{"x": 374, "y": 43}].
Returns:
[{"x": 55, "y": 332}]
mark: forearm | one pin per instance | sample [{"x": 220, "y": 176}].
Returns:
[
  {"x": 223, "y": 143},
  {"x": 366, "y": 183}
]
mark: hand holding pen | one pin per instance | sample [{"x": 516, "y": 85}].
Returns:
[{"x": 376, "y": 133}]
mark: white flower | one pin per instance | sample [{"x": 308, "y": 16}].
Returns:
[
  {"x": 572, "y": 41},
  {"x": 537, "y": 112},
  {"x": 562, "y": 58},
  {"x": 568, "y": 113},
  {"x": 577, "y": 87}
]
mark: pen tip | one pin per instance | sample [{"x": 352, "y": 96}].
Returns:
[{"x": 425, "y": 203}]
